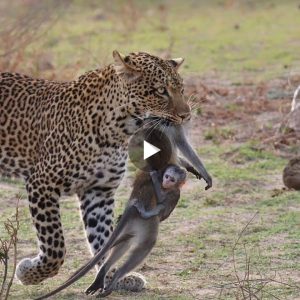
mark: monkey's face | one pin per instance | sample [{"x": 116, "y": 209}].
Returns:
[
  {"x": 174, "y": 177},
  {"x": 169, "y": 181}
]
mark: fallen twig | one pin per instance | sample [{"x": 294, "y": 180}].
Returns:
[
  {"x": 294, "y": 102},
  {"x": 6, "y": 245}
]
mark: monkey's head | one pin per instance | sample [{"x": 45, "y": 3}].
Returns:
[{"x": 173, "y": 177}]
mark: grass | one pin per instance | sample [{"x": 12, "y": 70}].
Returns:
[
  {"x": 194, "y": 251},
  {"x": 193, "y": 258},
  {"x": 229, "y": 38}
]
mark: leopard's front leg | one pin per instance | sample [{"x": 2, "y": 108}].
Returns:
[
  {"x": 97, "y": 206},
  {"x": 44, "y": 208}
]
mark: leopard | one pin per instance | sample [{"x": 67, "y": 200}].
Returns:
[{"x": 71, "y": 138}]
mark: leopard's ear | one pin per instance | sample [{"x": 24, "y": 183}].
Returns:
[
  {"x": 176, "y": 62},
  {"x": 123, "y": 69}
]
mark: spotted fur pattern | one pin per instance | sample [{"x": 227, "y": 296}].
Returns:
[{"x": 72, "y": 137}]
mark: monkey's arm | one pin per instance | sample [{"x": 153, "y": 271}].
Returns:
[
  {"x": 150, "y": 213},
  {"x": 190, "y": 154},
  {"x": 156, "y": 186},
  {"x": 162, "y": 210},
  {"x": 189, "y": 167},
  {"x": 171, "y": 201}
]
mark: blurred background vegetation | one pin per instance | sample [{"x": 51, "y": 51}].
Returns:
[{"x": 232, "y": 39}]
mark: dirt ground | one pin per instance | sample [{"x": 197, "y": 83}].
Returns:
[
  {"x": 206, "y": 250},
  {"x": 238, "y": 240}
]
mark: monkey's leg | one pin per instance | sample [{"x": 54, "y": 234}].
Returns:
[
  {"x": 116, "y": 253},
  {"x": 134, "y": 259},
  {"x": 189, "y": 167},
  {"x": 97, "y": 206},
  {"x": 98, "y": 283},
  {"x": 150, "y": 213}
]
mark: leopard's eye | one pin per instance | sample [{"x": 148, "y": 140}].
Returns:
[{"x": 161, "y": 90}]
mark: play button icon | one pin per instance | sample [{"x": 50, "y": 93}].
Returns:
[{"x": 150, "y": 149}]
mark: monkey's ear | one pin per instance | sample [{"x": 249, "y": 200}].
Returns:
[
  {"x": 182, "y": 184},
  {"x": 123, "y": 69},
  {"x": 176, "y": 62}
]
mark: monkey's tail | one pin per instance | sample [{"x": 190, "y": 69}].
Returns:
[{"x": 113, "y": 241}]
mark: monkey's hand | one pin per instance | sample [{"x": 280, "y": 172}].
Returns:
[
  {"x": 194, "y": 171},
  {"x": 199, "y": 176},
  {"x": 148, "y": 214},
  {"x": 189, "y": 168},
  {"x": 209, "y": 182}
]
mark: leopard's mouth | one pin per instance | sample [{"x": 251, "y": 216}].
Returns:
[
  {"x": 160, "y": 123},
  {"x": 164, "y": 116},
  {"x": 163, "y": 120}
]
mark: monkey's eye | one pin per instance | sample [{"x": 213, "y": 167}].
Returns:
[
  {"x": 166, "y": 176},
  {"x": 172, "y": 179}
]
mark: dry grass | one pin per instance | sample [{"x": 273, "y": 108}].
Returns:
[
  {"x": 8, "y": 253},
  {"x": 205, "y": 250},
  {"x": 22, "y": 24}
]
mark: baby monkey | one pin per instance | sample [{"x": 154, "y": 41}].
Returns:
[
  {"x": 169, "y": 191},
  {"x": 137, "y": 229}
]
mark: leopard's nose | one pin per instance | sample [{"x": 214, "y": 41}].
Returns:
[{"x": 185, "y": 116}]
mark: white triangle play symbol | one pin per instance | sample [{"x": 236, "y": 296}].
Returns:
[{"x": 149, "y": 150}]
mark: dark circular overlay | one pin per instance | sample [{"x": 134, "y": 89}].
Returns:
[{"x": 158, "y": 139}]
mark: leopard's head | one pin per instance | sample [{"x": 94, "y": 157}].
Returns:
[{"x": 154, "y": 86}]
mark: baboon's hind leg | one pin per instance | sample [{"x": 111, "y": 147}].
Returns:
[
  {"x": 116, "y": 253},
  {"x": 135, "y": 258}
]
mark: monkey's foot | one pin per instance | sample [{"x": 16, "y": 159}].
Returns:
[
  {"x": 33, "y": 271},
  {"x": 104, "y": 293},
  {"x": 94, "y": 287},
  {"x": 133, "y": 282}
]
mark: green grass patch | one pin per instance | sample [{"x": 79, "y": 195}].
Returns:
[{"x": 254, "y": 37}]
